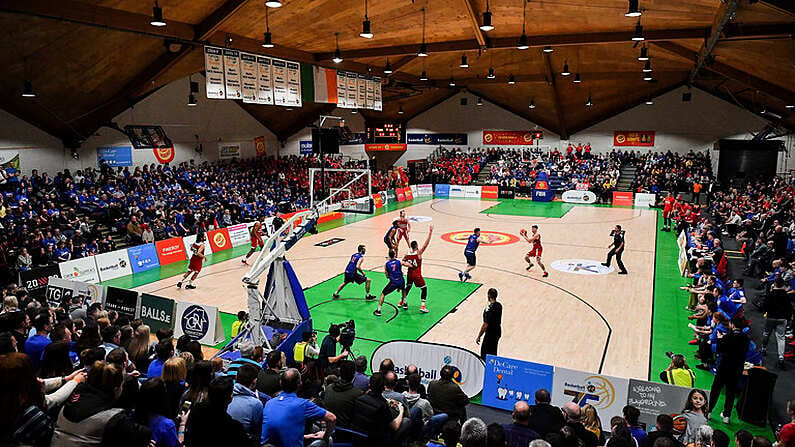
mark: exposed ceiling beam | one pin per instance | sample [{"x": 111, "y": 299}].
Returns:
[
  {"x": 739, "y": 102},
  {"x": 536, "y": 118},
  {"x": 550, "y": 75},
  {"x": 402, "y": 62},
  {"x": 725, "y": 13},
  {"x": 626, "y": 105},
  {"x": 472, "y": 15},
  {"x": 732, "y": 73},
  {"x": 545, "y": 77},
  {"x": 783, "y": 6}
]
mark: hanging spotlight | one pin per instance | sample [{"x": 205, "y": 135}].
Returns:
[
  {"x": 423, "y": 48},
  {"x": 532, "y": 104},
  {"x": 479, "y": 102},
  {"x": 511, "y": 80},
  {"x": 790, "y": 106},
  {"x": 191, "y": 100},
  {"x": 522, "y": 45},
  {"x": 424, "y": 76},
  {"x": 647, "y": 67},
  {"x": 638, "y": 36},
  {"x": 644, "y": 54},
  {"x": 452, "y": 82},
  {"x": 388, "y": 67},
  {"x": 27, "y": 90},
  {"x": 649, "y": 101},
  {"x": 548, "y": 49},
  {"x": 577, "y": 79},
  {"x": 157, "y": 16},
  {"x": 647, "y": 77},
  {"x": 267, "y": 42},
  {"x": 367, "y": 33},
  {"x": 400, "y": 110},
  {"x": 565, "y": 71},
  {"x": 464, "y": 63},
  {"x": 588, "y": 103},
  {"x": 634, "y": 9},
  {"x": 273, "y": 4},
  {"x": 487, "y": 26},
  {"x": 354, "y": 111},
  {"x": 337, "y": 54},
  {"x": 491, "y": 73}
]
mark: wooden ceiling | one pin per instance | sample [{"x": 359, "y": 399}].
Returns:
[{"x": 90, "y": 60}]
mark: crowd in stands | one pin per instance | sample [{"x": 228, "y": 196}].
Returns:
[
  {"x": 671, "y": 171},
  {"x": 46, "y": 219}
]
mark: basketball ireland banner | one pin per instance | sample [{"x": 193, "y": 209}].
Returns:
[
  {"x": 507, "y": 137},
  {"x": 607, "y": 394},
  {"x": 636, "y": 138}
]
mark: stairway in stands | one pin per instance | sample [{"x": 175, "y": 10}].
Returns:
[
  {"x": 626, "y": 177},
  {"x": 484, "y": 174}
]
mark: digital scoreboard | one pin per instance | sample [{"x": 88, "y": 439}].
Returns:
[{"x": 387, "y": 132}]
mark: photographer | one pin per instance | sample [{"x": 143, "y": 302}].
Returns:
[
  {"x": 328, "y": 348},
  {"x": 678, "y": 373}
]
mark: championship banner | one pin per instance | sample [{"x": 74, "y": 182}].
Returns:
[
  {"x": 425, "y": 190},
  {"x": 238, "y": 234},
  {"x": 259, "y": 146},
  {"x": 645, "y": 199},
  {"x": 199, "y": 322},
  {"x": 377, "y": 202},
  {"x": 489, "y": 192},
  {"x": 164, "y": 154},
  {"x": 377, "y": 97},
  {"x": 361, "y": 91},
  {"x": 351, "y": 91},
  {"x": 58, "y": 290},
  {"x": 214, "y": 73},
  {"x": 279, "y": 78},
  {"x": 123, "y": 301},
  {"x": 81, "y": 269},
  {"x": 401, "y": 196},
  {"x": 441, "y": 190},
  {"x": 623, "y": 198},
  {"x": 468, "y": 368},
  {"x": 232, "y": 81},
  {"x": 248, "y": 76},
  {"x": 342, "y": 90},
  {"x": 157, "y": 312},
  {"x": 457, "y": 191},
  {"x": 643, "y": 138},
  {"x": 369, "y": 99},
  {"x": 228, "y": 150},
  {"x": 170, "y": 250},
  {"x": 508, "y": 137},
  {"x": 115, "y": 156},
  {"x": 653, "y": 399},
  {"x": 219, "y": 240},
  {"x": 393, "y": 147},
  {"x": 293, "y": 84},
  {"x": 576, "y": 196},
  {"x": 143, "y": 257},
  {"x": 305, "y": 147},
  {"x": 606, "y": 393},
  {"x": 264, "y": 81},
  {"x": 113, "y": 265},
  {"x": 507, "y": 381},
  {"x": 437, "y": 138},
  {"x": 187, "y": 241}
]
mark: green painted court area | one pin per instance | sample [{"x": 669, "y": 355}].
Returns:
[
  {"x": 393, "y": 324},
  {"x": 529, "y": 208}
]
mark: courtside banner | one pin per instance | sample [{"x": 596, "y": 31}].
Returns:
[
  {"x": 59, "y": 289},
  {"x": 489, "y": 192},
  {"x": 441, "y": 190},
  {"x": 468, "y": 368},
  {"x": 187, "y": 241},
  {"x": 219, "y": 240},
  {"x": 391, "y": 196},
  {"x": 645, "y": 199},
  {"x": 401, "y": 196},
  {"x": 508, "y": 380},
  {"x": 653, "y": 399},
  {"x": 576, "y": 196},
  {"x": 377, "y": 201},
  {"x": 143, "y": 258},
  {"x": 36, "y": 279},
  {"x": 472, "y": 191},
  {"x": 81, "y": 269},
  {"x": 157, "y": 312},
  {"x": 607, "y": 394},
  {"x": 623, "y": 198},
  {"x": 113, "y": 265},
  {"x": 199, "y": 322},
  {"x": 94, "y": 293},
  {"x": 123, "y": 301},
  {"x": 170, "y": 250},
  {"x": 425, "y": 190},
  {"x": 238, "y": 234},
  {"x": 457, "y": 191},
  {"x": 409, "y": 192}
]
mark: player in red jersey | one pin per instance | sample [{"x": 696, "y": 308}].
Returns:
[
  {"x": 195, "y": 264},
  {"x": 536, "y": 251},
  {"x": 668, "y": 209},
  {"x": 414, "y": 274},
  {"x": 256, "y": 240},
  {"x": 403, "y": 228}
]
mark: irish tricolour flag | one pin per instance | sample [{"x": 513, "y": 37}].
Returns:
[{"x": 318, "y": 84}]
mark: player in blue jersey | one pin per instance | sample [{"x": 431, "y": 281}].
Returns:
[
  {"x": 393, "y": 272},
  {"x": 390, "y": 238},
  {"x": 354, "y": 273},
  {"x": 473, "y": 241}
]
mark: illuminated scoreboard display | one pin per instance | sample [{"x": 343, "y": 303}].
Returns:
[{"x": 386, "y": 133}]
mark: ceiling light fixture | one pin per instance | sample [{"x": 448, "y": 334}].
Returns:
[
  {"x": 522, "y": 45},
  {"x": 367, "y": 32},
  {"x": 548, "y": 49},
  {"x": 565, "y": 71},
  {"x": 647, "y": 67},
  {"x": 424, "y": 76},
  {"x": 464, "y": 63},
  {"x": 511, "y": 80},
  {"x": 423, "y": 48},
  {"x": 577, "y": 79},
  {"x": 273, "y": 4},
  {"x": 644, "y": 54},
  {"x": 337, "y": 54},
  {"x": 633, "y": 10},
  {"x": 647, "y": 77},
  {"x": 491, "y": 74},
  {"x": 400, "y": 110},
  {"x": 532, "y": 104},
  {"x": 452, "y": 82},
  {"x": 191, "y": 100},
  {"x": 27, "y": 90},
  {"x": 649, "y": 101},
  {"x": 487, "y": 26},
  {"x": 479, "y": 102},
  {"x": 790, "y": 106},
  {"x": 638, "y": 36},
  {"x": 157, "y": 16},
  {"x": 267, "y": 42},
  {"x": 354, "y": 111},
  {"x": 589, "y": 102},
  {"x": 387, "y": 67}
]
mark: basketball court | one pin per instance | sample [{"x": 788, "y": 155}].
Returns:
[{"x": 581, "y": 316}]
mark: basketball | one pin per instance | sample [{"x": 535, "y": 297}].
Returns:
[
  {"x": 523, "y": 232},
  {"x": 680, "y": 423}
]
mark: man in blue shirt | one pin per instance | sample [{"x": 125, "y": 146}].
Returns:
[
  {"x": 164, "y": 350},
  {"x": 36, "y": 344},
  {"x": 394, "y": 273},
  {"x": 354, "y": 273},
  {"x": 473, "y": 241},
  {"x": 285, "y": 416}
]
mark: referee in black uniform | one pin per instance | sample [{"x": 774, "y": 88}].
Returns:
[
  {"x": 617, "y": 249},
  {"x": 491, "y": 329}
]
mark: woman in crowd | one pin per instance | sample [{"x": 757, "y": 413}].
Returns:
[
  {"x": 198, "y": 384},
  {"x": 55, "y": 362},
  {"x": 141, "y": 349},
  {"x": 695, "y": 413},
  {"x": 591, "y": 421},
  {"x": 174, "y": 374},
  {"x": 150, "y": 411},
  {"x": 22, "y": 400}
]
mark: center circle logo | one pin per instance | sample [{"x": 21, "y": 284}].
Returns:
[
  {"x": 419, "y": 219},
  {"x": 195, "y": 322},
  {"x": 494, "y": 237},
  {"x": 219, "y": 239},
  {"x": 581, "y": 267}
]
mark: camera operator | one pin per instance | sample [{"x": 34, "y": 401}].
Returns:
[
  {"x": 678, "y": 373},
  {"x": 328, "y": 348}
]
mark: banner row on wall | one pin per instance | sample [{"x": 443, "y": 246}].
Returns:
[{"x": 466, "y": 191}]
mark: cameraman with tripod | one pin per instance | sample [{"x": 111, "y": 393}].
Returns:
[{"x": 328, "y": 348}]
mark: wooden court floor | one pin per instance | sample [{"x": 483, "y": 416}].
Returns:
[{"x": 590, "y": 322}]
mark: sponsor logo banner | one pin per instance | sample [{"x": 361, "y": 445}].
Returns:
[
  {"x": 113, "y": 265},
  {"x": 81, "y": 269},
  {"x": 457, "y": 191},
  {"x": 581, "y": 266},
  {"x": 377, "y": 201},
  {"x": 508, "y": 137},
  {"x": 305, "y": 147},
  {"x": 238, "y": 234},
  {"x": 441, "y": 190},
  {"x": 468, "y": 368},
  {"x": 115, "y": 156},
  {"x": 494, "y": 237},
  {"x": 409, "y": 192},
  {"x": 489, "y": 192},
  {"x": 653, "y": 399},
  {"x": 329, "y": 242},
  {"x": 607, "y": 394},
  {"x": 645, "y": 199},
  {"x": 424, "y": 190},
  {"x": 353, "y": 138},
  {"x": 437, "y": 138},
  {"x": 157, "y": 312},
  {"x": 219, "y": 240},
  {"x": 472, "y": 191},
  {"x": 681, "y": 241},
  {"x": 507, "y": 381},
  {"x": 187, "y": 241},
  {"x": 396, "y": 147},
  {"x": 198, "y": 322},
  {"x": 622, "y": 198},
  {"x": 644, "y": 138},
  {"x": 401, "y": 196},
  {"x": 575, "y": 196},
  {"x": 228, "y": 151},
  {"x": 57, "y": 290},
  {"x": 164, "y": 154},
  {"x": 143, "y": 257},
  {"x": 391, "y": 196},
  {"x": 170, "y": 250},
  {"x": 123, "y": 301},
  {"x": 259, "y": 146}
]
